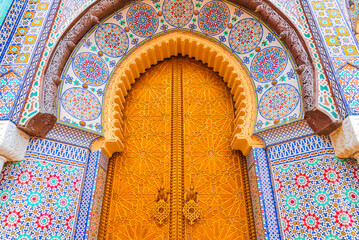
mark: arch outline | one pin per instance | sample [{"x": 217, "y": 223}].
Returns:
[
  {"x": 193, "y": 45},
  {"x": 319, "y": 121}
]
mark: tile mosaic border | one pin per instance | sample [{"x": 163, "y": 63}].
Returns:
[
  {"x": 62, "y": 133},
  {"x": 20, "y": 101},
  {"x": 342, "y": 107},
  {"x": 84, "y": 209},
  {"x": 265, "y": 188}
]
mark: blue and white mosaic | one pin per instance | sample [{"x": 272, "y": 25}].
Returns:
[{"x": 101, "y": 51}]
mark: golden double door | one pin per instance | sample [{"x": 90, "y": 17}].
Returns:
[{"x": 178, "y": 124}]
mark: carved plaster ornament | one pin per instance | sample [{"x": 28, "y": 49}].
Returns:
[
  {"x": 13, "y": 143},
  {"x": 345, "y": 139}
]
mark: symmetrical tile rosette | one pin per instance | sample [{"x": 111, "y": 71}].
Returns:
[
  {"x": 62, "y": 13},
  {"x": 43, "y": 191},
  {"x": 54, "y": 190},
  {"x": 316, "y": 193},
  {"x": 268, "y": 62}
]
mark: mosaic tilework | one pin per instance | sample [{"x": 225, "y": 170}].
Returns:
[
  {"x": 10, "y": 82},
  {"x": 295, "y": 12},
  {"x": 8, "y": 26},
  {"x": 97, "y": 203},
  {"x": 28, "y": 32},
  {"x": 307, "y": 145},
  {"x": 67, "y": 12},
  {"x": 45, "y": 23},
  {"x": 348, "y": 78},
  {"x": 338, "y": 40},
  {"x": 265, "y": 187},
  {"x": 72, "y": 136},
  {"x": 87, "y": 61},
  {"x": 65, "y": 152},
  {"x": 76, "y": 157},
  {"x": 23, "y": 33},
  {"x": 255, "y": 196},
  {"x": 316, "y": 193},
  {"x": 18, "y": 37},
  {"x": 285, "y": 133},
  {"x": 88, "y": 189},
  {"x": 4, "y": 8},
  {"x": 335, "y": 33},
  {"x": 39, "y": 195},
  {"x": 326, "y": 64}
]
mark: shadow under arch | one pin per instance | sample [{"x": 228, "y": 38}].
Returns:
[{"x": 193, "y": 45}]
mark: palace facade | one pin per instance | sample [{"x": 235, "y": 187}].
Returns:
[{"x": 179, "y": 119}]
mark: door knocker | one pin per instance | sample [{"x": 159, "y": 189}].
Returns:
[
  {"x": 162, "y": 210},
  {"x": 191, "y": 207}
]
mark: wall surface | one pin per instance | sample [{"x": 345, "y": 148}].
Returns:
[
  {"x": 39, "y": 196},
  {"x": 49, "y": 194},
  {"x": 316, "y": 193},
  {"x": 303, "y": 190},
  {"x": 23, "y": 34}
]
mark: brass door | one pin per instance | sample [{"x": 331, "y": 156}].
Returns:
[{"x": 178, "y": 124}]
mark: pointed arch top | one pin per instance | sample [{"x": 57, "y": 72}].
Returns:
[
  {"x": 317, "y": 119},
  {"x": 195, "y": 46}
]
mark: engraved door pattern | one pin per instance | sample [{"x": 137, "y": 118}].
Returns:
[{"x": 178, "y": 124}]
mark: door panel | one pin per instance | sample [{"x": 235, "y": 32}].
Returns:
[
  {"x": 139, "y": 169},
  {"x": 178, "y": 124},
  {"x": 209, "y": 162}
]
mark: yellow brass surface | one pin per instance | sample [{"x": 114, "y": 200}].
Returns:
[{"x": 178, "y": 126}]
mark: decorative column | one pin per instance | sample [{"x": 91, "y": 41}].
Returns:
[
  {"x": 262, "y": 193},
  {"x": 13, "y": 143},
  {"x": 345, "y": 139}
]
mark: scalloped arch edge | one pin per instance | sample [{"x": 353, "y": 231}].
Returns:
[{"x": 289, "y": 34}]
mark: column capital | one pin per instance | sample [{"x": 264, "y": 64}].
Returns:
[
  {"x": 13, "y": 142},
  {"x": 345, "y": 139}
]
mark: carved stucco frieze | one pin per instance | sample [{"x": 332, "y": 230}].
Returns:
[
  {"x": 345, "y": 139},
  {"x": 13, "y": 143}
]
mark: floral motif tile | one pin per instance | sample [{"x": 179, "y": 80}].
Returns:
[
  {"x": 318, "y": 198},
  {"x": 38, "y": 199}
]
